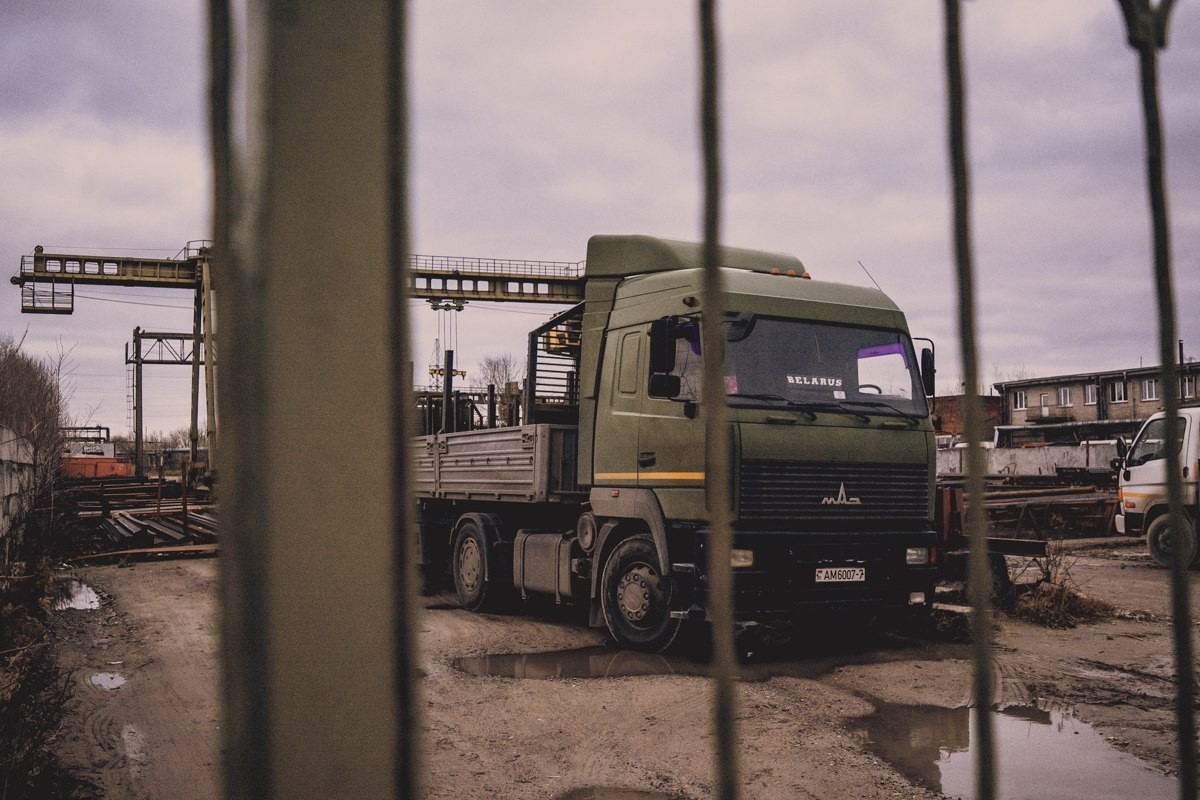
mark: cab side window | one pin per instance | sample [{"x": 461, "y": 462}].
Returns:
[
  {"x": 687, "y": 361},
  {"x": 628, "y": 374}
]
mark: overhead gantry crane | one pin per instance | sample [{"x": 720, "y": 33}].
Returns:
[{"x": 48, "y": 281}]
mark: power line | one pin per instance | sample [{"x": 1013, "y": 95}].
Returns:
[{"x": 131, "y": 302}]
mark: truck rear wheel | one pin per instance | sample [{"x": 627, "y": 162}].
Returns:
[
  {"x": 478, "y": 577},
  {"x": 636, "y": 599},
  {"x": 1162, "y": 542}
]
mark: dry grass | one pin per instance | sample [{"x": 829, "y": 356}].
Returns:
[
  {"x": 1054, "y": 598},
  {"x": 33, "y": 696}
]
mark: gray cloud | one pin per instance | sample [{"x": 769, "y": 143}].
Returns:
[{"x": 536, "y": 124}]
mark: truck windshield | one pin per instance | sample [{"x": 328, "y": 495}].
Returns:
[
  {"x": 1151, "y": 443},
  {"x": 821, "y": 366}
]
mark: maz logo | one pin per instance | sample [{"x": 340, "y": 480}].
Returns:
[{"x": 841, "y": 499}]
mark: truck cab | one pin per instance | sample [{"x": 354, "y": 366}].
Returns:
[
  {"x": 832, "y": 443},
  {"x": 1142, "y": 485}
]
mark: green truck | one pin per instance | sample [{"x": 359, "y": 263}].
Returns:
[{"x": 599, "y": 497}]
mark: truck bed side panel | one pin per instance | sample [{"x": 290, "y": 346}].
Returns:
[{"x": 527, "y": 464}]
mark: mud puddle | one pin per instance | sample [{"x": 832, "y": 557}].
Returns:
[
  {"x": 1040, "y": 754},
  {"x": 607, "y": 793},
  {"x": 108, "y": 680},
  {"x": 75, "y": 594},
  {"x": 810, "y": 660}
]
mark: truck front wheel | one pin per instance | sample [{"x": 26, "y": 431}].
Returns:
[
  {"x": 636, "y": 599},
  {"x": 1163, "y": 542}
]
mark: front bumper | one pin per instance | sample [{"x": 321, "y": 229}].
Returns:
[{"x": 782, "y": 583}]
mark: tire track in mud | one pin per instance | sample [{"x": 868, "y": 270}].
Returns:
[
  {"x": 144, "y": 719},
  {"x": 673, "y": 712}
]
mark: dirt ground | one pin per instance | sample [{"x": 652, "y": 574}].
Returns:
[{"x": 550, "y": 720}]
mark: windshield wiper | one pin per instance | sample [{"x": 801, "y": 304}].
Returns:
[
  {"x": 837, "y": 408},
  {"x": 913, "y": 419},
  {"x": 808, "y": 407},
  {"x": 777, "y": 397}
]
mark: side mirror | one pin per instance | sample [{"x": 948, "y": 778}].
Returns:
[
  {"x": 1122, "y": 448},
  {"x": 662, "y": 347},
  {"x": 928, "y": 371},
  {"x": 664, "y": 384}
]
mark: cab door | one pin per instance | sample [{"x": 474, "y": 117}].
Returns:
[
  {"x": 671, "y": 439},
  {"x": 618, "y": 416}
]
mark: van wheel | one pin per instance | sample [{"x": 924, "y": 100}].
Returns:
[
  {"x": 1162, "y": 541},
  {"x": 636, "y": 599},
  {"x": 478, "y": 578}
]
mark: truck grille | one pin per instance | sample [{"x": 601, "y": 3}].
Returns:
[{"x": 834, "y": 496}]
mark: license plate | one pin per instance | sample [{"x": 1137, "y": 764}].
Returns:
[{"x": 841, "y": 574}]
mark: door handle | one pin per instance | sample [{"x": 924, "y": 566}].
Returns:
[{"x": 646, "y": 459}]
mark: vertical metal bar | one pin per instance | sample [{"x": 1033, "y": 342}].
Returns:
[
  {"x": 491, "y": 405},
  {"x": 531, "y": 378},
  {"x": 716, "y": 426},
  {"x": 138, "y": 434},
  {"x": 317, "y": 209},
  {"x": 210, "y": 365},
  {"x": 979, "y": 575},
  {"x": 1147, "y": 31},
  {"x": 448, "y": 420},
  {"x": 408, "y": 778},
  {"x": 158, "y": 496},
  {"x": 197, "y": 317},
  {"x": 184, "y": 469},
  {"x": 247, "y": 739}
]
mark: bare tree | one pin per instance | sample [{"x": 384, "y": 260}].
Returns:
[
  {"x": 33, "y": 406},
  {"x": 499, "y": 370}
]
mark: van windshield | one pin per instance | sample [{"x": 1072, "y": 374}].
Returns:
[
  {"x": 861, "y": 370},
  {"x": 1151, "y": 444}
]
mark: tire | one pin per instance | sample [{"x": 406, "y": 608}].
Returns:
[
  {"x": 1161, "y": 543},
  {"x": 636, "y": 599},
  {"x": 478, "y": 577}
]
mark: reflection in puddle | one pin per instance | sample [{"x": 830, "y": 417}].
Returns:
[
  {"x": 77, "y": 595},
  {"x": 1040, "y": 754},
  {"x": 108, "y": 680},
  {"x": 604, "y": 662},
  {"x": 589, "y": 662},
  {"x": 608, "y": 793}
]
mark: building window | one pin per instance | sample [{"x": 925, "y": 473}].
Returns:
[
  {"x": 1150, "y": 389},
  {"x": 1089, "y": 394},
  {"x": 1019, "y": 401},
  {"x": 1187, "y": 387},
  {"x": 1116, "y": 392},
  {"x": 1064, "y": 395}
]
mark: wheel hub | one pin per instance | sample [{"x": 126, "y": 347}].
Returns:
[
  {"x": 470, "y": 564},
  {"x": 638, "y": 593}
]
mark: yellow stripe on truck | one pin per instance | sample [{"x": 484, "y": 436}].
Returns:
[{"x": 650, "y": 476}]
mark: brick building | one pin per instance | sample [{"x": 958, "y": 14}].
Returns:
[
  {"x": 1090, "y": 404},
  {"x": 949, "y": 411}
]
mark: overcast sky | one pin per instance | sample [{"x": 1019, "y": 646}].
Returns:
[{"x": 537, "y": 124}]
